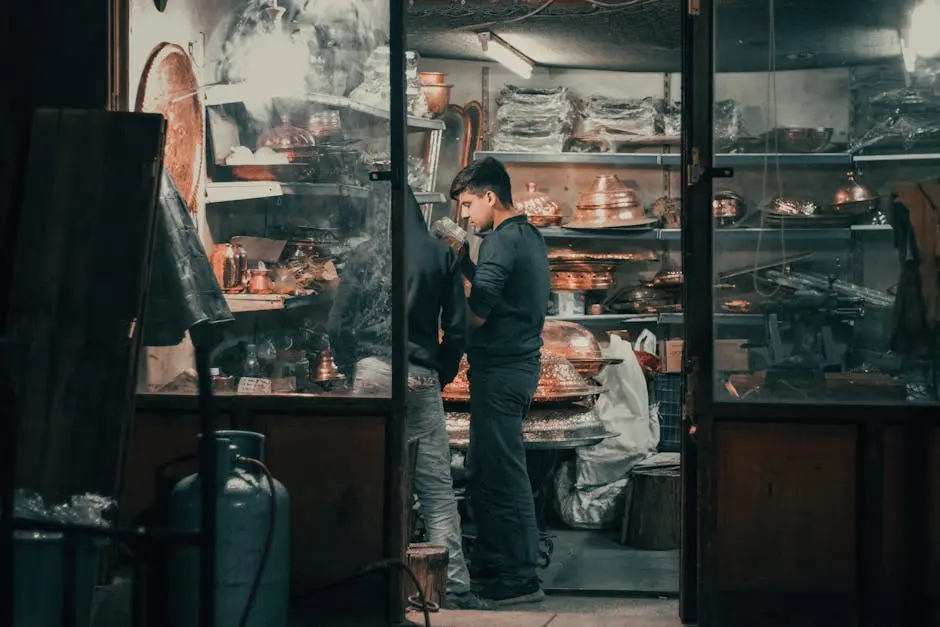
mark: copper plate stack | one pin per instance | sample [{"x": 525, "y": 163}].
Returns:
[
  {"x": 574, "y": 271},
  {"x": 609, "y": 204},
  {"x": 544, "y": 427},
  {"x": 576, "y": 344}
]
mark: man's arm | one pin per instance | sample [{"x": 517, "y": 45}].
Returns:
[
  {"x": 453, "y": 324},
  {"x": 492, "y": 271}
]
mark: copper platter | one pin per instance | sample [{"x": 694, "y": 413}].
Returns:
[
  {"x": 558, "y": 255},
  {"x": 559, "y": 381},
  {"x": 576, "y": 344},
  {"x": 169, "y": 86},
  {"x": 542, "y": 425},
  {"x": 581, "y": 281}
]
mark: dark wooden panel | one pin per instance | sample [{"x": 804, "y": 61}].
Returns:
[
  {"x": 157, "y": 438},
  {"x": 334, "y": 471},
  {"x": 82, "y": 267},
  {"x": 786, "y": 507}
]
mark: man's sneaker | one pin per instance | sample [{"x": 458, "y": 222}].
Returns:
[
  {"x": 467, "y": 601},
  {"x": 513, "y": 594}
]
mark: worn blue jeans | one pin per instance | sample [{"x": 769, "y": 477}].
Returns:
[
  {"x": 506, "y": 546},
  {"x": 432, "y": 480}
]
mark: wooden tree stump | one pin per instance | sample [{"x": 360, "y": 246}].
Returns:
[
  {"x": 429, "y": 564},
  {"x": 652, "y": 510}
]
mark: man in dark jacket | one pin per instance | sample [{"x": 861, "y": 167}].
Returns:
[
  {"x": 506, "y": 311},
  {"x": 436, "y": 302}
]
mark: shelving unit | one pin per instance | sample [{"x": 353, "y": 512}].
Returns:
[{"x": 675, "y": 235}]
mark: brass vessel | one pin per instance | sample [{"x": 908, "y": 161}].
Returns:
[
  {"x": 538, "y": 206},
  {"x": 326, "y": 370}
]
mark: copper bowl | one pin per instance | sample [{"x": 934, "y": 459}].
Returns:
[
  {"x": 559, "y": 381},
  {"x": 539, "y": 207},
  {"x": 431, "y": 78},
  {"x": 576, "y": 344}
]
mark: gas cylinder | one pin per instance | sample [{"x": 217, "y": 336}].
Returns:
[{"x": 246, "y": 494}]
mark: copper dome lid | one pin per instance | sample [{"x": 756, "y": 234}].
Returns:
[
  {"x": 559, "y": 381},
  {"x": 608, "y": 204},
  {"x": 576, "y": 344}
]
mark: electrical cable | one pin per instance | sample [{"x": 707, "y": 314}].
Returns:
[
  {"x": 525, "y": 16},
  {"x": 269, "y": 539},
  {"x": 368, "y": 569}
]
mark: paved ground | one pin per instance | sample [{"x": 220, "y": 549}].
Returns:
[{"x": 568, "y": 612}]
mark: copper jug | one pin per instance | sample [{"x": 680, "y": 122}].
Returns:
[
  {"x": 230, "y": 266},
  {"x": 260, "y": 281}
]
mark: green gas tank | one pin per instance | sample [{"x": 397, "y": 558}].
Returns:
[{"x": 246, "y": 495}]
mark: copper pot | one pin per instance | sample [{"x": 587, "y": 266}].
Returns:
[
  {"x": 538, "y": 206},
  {"x": 259, "y": 281},
  {"x": 853, "y": 198},
  {"x": 230, "y": 266},
  {"x": 608, "y": 204},
  {"x": 437, "y": 97}
]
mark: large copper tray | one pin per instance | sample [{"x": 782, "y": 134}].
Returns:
[
  {"x": 169, "y": 86},
  {"x": 542, "y": 425},
  {"x": 581, "y": 281},
  {"x": 559, "y": 382},
  {"x": 576, "y": 344},
  {"x": 565, "y": 255}
]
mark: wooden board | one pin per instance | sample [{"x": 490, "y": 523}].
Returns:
[{"x": 81, "y": 270}]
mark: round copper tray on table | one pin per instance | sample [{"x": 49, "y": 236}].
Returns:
[{"x": 169, "y": 85}]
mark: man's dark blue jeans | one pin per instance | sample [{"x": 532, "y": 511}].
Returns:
[{"x": 506, "y": 547}]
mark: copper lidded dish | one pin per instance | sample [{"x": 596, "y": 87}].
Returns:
[
  {"x": 576, "y": 344},
  {"x": 559, "y": 382},
  {"x": 539, "y": 207},
  {"x": 852, "y": 198},
  {"x": 609, "y": 204}
]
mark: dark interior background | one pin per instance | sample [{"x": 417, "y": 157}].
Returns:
[{"x": 644, "y": 35}]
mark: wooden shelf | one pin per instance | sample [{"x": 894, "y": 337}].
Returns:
[{"x": 239, "y": 303}]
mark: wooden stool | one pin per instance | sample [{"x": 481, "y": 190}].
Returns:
[
  {"x": 429, "y": 564},
  {"x": 652, "y": 516}
]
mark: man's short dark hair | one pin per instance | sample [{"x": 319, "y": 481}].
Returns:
[{"x": 481, "y": 176}]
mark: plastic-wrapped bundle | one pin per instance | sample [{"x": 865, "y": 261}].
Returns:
[
  {"x": 902, "y": 119},
  {"x": 375, "y": 85},
  {"x": 728, "y": 124},
  {"x": 632, "y": 116},
  {"x": 672, "y": 118},
  {"x": 533, "y": 120}
]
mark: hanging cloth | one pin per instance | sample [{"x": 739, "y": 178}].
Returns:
[{"x": 915, "y": 217}]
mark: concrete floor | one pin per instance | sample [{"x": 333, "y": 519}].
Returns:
[{"x": 563, "y": 611}]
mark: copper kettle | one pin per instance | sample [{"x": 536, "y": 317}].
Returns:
[{"x": 230, "y": 266}]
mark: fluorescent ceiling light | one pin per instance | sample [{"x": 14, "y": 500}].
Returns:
[
  {"x": 506, "y": 55},
  {"x": 922, "y": 36}
]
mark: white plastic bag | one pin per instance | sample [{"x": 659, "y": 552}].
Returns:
[{"x": 646, "y": 342}]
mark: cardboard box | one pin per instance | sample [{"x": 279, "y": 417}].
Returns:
[
  {"x": 670, "y": 354},
  {"x": 731, "y": 356}
]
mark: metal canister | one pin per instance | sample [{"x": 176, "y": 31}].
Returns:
[{"x": 246, "y": 499}]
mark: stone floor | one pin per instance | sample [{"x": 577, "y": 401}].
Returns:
[{"x": 568, "y": 612}]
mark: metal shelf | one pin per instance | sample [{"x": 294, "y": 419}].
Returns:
[
  {"x": 253, "y": 190},
  {"x": 656, "y": 159},
  {"x": 431, "y": 198},
  {"x": 895, "y": 158},
  {"x": 675, "y": 235},
  {"x": 215, "y": 95},
  {"x": 666, "y": 318}
]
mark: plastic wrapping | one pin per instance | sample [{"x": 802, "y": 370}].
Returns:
[
  {"x": 728, "y": 123},
  {"x": 79, "y": 509},
  {"x": 632, "y": 116},
  {"x": 672, "y": 118},
  {"x": 533, "y": 120},
  {"x": 375, "y": 87},
  {"x": 899, "y": 119}
]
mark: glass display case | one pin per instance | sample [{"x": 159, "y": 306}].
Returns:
[
  {"x": 815, "y": 296},
  {"x": 295, "y": 209}
]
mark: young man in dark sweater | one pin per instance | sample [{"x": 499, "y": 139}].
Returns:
[{"x": 506, "y": 313}]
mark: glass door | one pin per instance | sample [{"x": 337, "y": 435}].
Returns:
[{"x": 810, "y": 165}]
